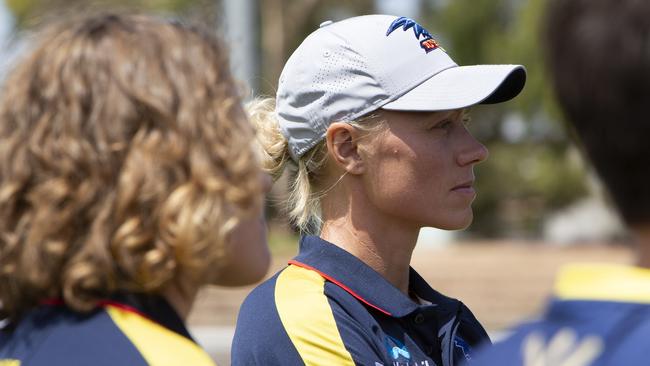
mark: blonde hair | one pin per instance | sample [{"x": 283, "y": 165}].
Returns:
[
  {"x": 125, "y": 161},
  {"x": 307, "y": 180}
]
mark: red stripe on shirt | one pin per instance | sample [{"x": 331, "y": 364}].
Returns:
[{"x": 327, "y": 277}]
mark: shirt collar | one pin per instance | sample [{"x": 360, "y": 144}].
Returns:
[
  {"x": 154, "y": 308},
  {"x": 354, "y": 276},
  {"x": 604, "y": 282}
]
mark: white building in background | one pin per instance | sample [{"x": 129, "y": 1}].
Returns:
[
  {"x": 587, "y": 221},
  {"x": 431, "y": 237},
  {"x": 590, "y": 220}
]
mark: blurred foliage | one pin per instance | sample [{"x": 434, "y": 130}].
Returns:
[
  {"x": 533, "y": 169},
  {"x": 536, "y": 170},
  {"x": 521, "y": 184},
  {"x": 282, "y": 241}
]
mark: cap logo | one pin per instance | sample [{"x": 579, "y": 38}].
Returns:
[{"x": 427, "y": 43}]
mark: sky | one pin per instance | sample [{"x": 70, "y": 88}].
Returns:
[
  {"x": 6, "y": 20},
  {"x": 407, "y": 8},
  {"x": 6, "y": 27}
]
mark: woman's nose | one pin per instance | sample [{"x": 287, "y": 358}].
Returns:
[{"x": 473, "y": 153}]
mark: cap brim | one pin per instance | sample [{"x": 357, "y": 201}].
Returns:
[{"x": 463, "y": 86}]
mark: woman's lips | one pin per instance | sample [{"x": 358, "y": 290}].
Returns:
[{"x": 465, "y": 188}]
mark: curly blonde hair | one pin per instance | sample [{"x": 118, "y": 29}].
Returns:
[{"x": 125, "y": 161}]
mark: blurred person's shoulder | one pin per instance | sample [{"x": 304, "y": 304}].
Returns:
[
  {"x": 600, "y": 315},
  {"x": 115, "y": 333},
  {"x": 53, "y": 335},
  {"x": 539, "y": 343}
]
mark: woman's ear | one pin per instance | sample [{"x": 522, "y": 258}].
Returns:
[{"x": 342, "y": 146}]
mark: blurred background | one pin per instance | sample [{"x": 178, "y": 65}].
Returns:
[{"x": 538, "y": 207}]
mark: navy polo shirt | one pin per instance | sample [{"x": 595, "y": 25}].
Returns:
[
  {"x": 134, "y": 330},
  {"x": 329, "y": 308}
]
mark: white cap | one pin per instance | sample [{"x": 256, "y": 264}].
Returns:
[{"x": 347, "y": 69}]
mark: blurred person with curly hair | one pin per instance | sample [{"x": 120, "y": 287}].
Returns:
[{"x": 128, "y": 180}]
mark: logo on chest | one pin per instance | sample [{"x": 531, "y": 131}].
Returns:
[
  {"x": 401, "y": 356},
  {"x": 396, "y": 349}
]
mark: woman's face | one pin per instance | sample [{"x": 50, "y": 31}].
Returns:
[
  {"x": 248, "y": 256},
  {"x": 420, "y": 170}
]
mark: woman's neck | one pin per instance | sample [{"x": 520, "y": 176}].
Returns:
[
  {"x": 385, "y": 249},
  {"x": 353, "y": 223},
  {"x": 181, "y": 295}
]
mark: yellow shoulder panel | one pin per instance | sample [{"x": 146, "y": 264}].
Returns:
[
  {"x": 308, "y": 319},
  {"x": 9, "y": 362},
  {"x": 158, "y": 345},
  {"x": 608, "y": 282}
]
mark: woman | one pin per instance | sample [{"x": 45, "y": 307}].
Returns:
[
  {"x": 369, "y": 117},
  {"x": 127, "y": 182}
]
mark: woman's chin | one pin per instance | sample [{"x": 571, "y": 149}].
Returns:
[{"x": 459, "y": 222}]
